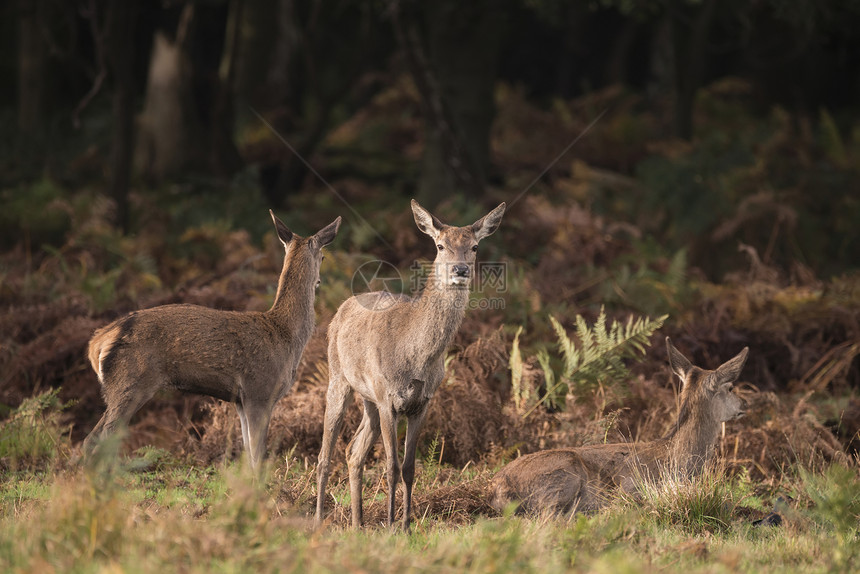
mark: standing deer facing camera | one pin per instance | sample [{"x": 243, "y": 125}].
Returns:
[
  {"x": 390, "y": 349},
  {"x": 247, "y": 358},
  {"x": 565, "y": 480}
]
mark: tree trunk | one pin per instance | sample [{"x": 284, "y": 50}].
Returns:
[
  {"x": 187, "y": 121},
  {"x": 164, "y": 143},
  {"x": 31, "y": 64},
  {"x": 120, "y": 25},
  {"x": 661, "y": 59},
  {"x": 690, "y": 27},
  {"x": 266, "y": 57},
  {"x": 617, "y": 67},
  {"x": 282, "y": 78},
  {"x": 224, "y": 157},
  {"x": 463, "y": 41},
  {"x": 455, "y": 74},
  {"x": 286, "y": 93},
  {"x": 567, "y": 75}
]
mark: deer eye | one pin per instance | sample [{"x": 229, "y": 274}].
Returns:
[
  {"x": 474, "y": 248},
  {"x": 440, "y": 247}
]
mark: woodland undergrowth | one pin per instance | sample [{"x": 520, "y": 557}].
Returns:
[{"x": 606, "y": 248}]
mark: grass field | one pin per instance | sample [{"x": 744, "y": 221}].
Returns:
[{"x": 152, "y": 511}]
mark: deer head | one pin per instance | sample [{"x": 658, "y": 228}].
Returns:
[
  {"x": 311, "y": 245},
  {"x": 710, "y": 391},
  {"x": 456, "y": 247}
]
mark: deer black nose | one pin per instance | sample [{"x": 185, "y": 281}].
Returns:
[{"x": 461, "y": 270}]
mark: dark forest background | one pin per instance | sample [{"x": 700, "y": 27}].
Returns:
[
  {"x": 696, "y": 158},
  {"x": 132, "y": 95}
]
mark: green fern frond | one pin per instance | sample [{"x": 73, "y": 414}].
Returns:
[
  {"x": 831, "y": 139},
  {"x": 545, "y": 362},
  {"x": 676, "y": 274},
  {"x": 600, "y": 357},
  {"x": 432, "y": 452},
  {"x": 568, "y": 351},
  {"x": 516, "y": 365}
]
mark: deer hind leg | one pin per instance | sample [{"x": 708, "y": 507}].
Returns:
[
  {"x": 92, "y": 438},
  {"x": 413, "y": 429},
  {"x": 388, "y": 427},
  {"x": 243, "y": 422},
  {"x": 257, "y": 417},
  {"x": 364, "y": 439},
  {"x": 123, "y": 405},
  {"x": 337, "y": 397}
]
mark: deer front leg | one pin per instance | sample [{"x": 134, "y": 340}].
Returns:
[
  {"x": 413, "y": 429},
  {"x": 388, "y": 426}
]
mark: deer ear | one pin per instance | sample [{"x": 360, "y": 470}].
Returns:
[
  {"x": 426, "y": 221},
  {"x": 681, "y": 366},
  {"x": 488, "y": 224},
  {"x": 327, "y": 234},
  {"x": 729, "y": 371},
  {"x": 284, "y": 233}
]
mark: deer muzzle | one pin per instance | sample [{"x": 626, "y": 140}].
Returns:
[{"x": 460, "y": 274}]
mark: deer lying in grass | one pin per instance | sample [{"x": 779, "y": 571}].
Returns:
[
  {"x": 390, "y": 350},
  {"x": 565, "y": 480},
  {"x": 247, "y": 358}
]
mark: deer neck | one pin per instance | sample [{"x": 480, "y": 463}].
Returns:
[
  {"x": 691, "y": 443},
  {"x": 440, "y": 310},
  {"x": 293, "y": 308}
]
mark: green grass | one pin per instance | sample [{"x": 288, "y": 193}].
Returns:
[
  {"x": 705, "y": 503},
  {"x": 178, "y": 517},
  {"x": 33, "y": 432},
  {"x": 154, "y": 511}
]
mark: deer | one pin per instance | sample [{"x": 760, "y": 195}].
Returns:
[
  {"x": 565, "y": 481},
  {"x": 390, "y": 350},
  {"x": 247, "y": 358}
]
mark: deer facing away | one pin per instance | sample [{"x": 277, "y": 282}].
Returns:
[
  {"x": 565, "y": 480},
  {"x": 390, "y": 350},
  {"x": 247, "y": 358}
]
